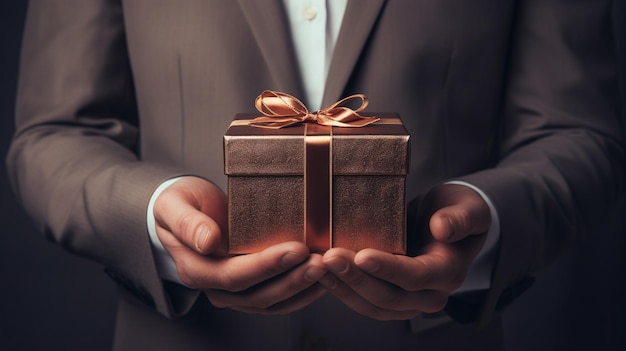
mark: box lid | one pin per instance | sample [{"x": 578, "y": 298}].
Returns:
[{"x": 381, "y": 148}]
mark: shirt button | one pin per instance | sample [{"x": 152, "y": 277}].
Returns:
[{"x": 309, "y": 13}]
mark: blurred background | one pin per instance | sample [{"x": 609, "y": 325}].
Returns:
[{"x": 55, "y": 301}]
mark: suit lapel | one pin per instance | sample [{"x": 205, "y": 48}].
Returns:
[
  {"x": 359, "y": 20},
  {"x": 268, "y": 23}
]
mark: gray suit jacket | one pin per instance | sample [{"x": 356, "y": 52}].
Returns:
[{"x": 516, "y": 97}]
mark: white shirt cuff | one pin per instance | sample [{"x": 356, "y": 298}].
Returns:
[{"x": 164, "y": 262}]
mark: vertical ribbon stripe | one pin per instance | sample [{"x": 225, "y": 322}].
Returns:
[{"x": 318, "y": 187}]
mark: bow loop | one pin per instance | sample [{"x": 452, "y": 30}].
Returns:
[{"x": 282, "y": 110}]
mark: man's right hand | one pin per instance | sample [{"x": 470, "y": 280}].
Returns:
[{"x": 191, "y": 217}]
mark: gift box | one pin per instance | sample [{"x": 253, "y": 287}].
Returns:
[{"x": 323, "y": 185}]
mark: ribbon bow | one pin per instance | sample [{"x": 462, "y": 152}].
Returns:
[{"x": 282, "y": 110}]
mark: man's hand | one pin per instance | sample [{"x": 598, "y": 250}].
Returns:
[
  {"x": 384, "y": 286},
  {"x": 191, "y": 217}
]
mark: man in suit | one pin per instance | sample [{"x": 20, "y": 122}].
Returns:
[{"x": 121, "y": 110}]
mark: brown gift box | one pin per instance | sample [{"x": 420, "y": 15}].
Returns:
[{"x": 360, "y": 204}]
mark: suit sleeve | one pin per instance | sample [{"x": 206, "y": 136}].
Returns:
[
  {"x": 74, "y": 160},
  {"x": 562, "y": 161}
]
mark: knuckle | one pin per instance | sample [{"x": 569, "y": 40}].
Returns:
[
  {"x": 162, "y": 200},
  {"x": 391, "y": 301},
  {"x": 264, "y": 303},
  {"x": 354, "y": 278},
  {"x": 229, "y": 283},
  {"x": 187, "y": 279},
  {"x": 421, "y": 278},
  {"x": 456, "y": 282},
  {"x": 217, "y": 302},
  {"x": 269, "y": 270},
  {"x": 185, "y": 225},
  {"x": 437, "y": 303},
  {"x": 441, "y": 304},
  {"x": 185, "y": 272},
  {"x": 463, "y": 217},
  {"x": 294, "y": 284},
  {"x": 416, "y": 283}
]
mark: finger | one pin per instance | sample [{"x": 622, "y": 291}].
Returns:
[
  {"x": 379, "y": 292},
  {"x": 359, "y": 304},
  {"x": 175, "y": 213},
  {"x": 431, "y": 270},
  {"x": 292, "y": 304},
  {"x": 441, "y": 266},
  {"x": 277, "y": 294},
  {"x": 453, "y": 223},
  {"x": 238, "y": 273}
]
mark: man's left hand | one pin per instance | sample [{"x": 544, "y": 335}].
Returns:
[{"x": 385, "y": 286}]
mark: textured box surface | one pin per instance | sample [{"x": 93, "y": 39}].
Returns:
[{"x": 276, "y": 192}]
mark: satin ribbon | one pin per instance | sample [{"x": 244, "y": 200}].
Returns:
[{"x": 282, "y": 110}]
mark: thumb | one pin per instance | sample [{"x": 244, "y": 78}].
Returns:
[
  {"x": 190, "y": 212},
  {"x": 189, "y": 226},
  {"x": 455, "y": 222}
]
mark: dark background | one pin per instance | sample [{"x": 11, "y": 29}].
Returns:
[{"x": 55, "y": 301}]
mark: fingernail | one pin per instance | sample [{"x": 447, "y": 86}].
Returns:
[
  {"x": 337, "y": 264},
  {"x": 202, "y": 235},
  {"x": 369, "y": 265},
  {"x": 328, "y": 281},
  {"x": 313, "y": 274},
  {"x": 291, "y": 259}
]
